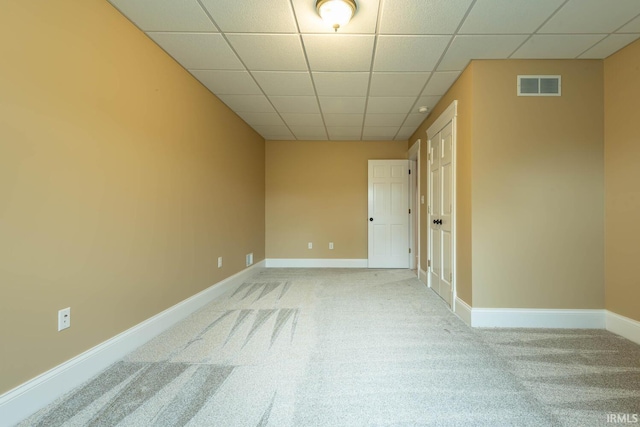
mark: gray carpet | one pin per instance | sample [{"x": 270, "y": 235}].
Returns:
[{"x": 319, "y": 347}]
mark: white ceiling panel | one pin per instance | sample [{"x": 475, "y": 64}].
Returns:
[
  {"x": 508, "y": 16},
  {"x": 409, "y": 53},
  {"x": 352, "y": 120},
  {"x": 344, "y": 132},
  {"x": 341, "y": 84},
  {"x": 295, "y": 104},
  {"x": 262, "y": 119},
  {"x": 440, "y": 83},
  {"x": 274, "y": 132},
  {"x": 389, "y": 105},
  {"x": 338, "y": 105},
  {"x": 384, "y": 119},
  {"x": 556, "y": 46},
  {"x": 632, "y": 27},
  {"x": 608, "y": 46},
  {"x": 309, "y": 132},
  {"x": 269, "y": 52},
  {"x": 380, "y": 132},
  {"x": 397, "y": 84},
  {"x": 423, "y": 16},
  {"x": 591, "y": 16},
  {"x": 248, "y": 103},
  {"x": 465, "y": 48},
  {"x": 337, "y": 52},
  {"x": 252, "y": 16},
  {"x": 299, "y": 119},
  {"x": 291, "y": 83},
  {"x": 363, "y": 22},
  {"x": 415, "y": 119},
  {"x": 426, "y": 101},
  {"x": 166, "y": 15},
  {"x": 405, "y": 133},
  {"x": 223, "y": 82},
  {"x": 198, "y": 50}
]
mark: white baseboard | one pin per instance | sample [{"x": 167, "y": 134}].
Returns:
[
  {"x": 623, "y": 326},
  {"x": 316, "y": 263},
  {"x": 537, "y": 318},
  {"x": 422, "y": 276},
  {"x": 463, "y": 310},
  {"x": 27, "y": 398}
]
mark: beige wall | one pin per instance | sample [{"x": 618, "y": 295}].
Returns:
[
  {"x": 121, "y": 181},
  {"x": 622, "y": 181},
  {"x": 462, "y": 92},
  {"x": 538, "y": 187},
  {"x": 317, "y": 192}
]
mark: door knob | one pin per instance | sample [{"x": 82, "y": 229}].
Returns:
[
  {"x": 440, "y": 221},
  {"x": 435, "y": 221},
  {"x": 370, "y": 219}
]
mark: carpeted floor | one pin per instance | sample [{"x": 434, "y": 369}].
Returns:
[{"x": 320, "y": 347}]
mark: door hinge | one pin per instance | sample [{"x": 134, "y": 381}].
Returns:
[
  {"x": 450, "y": 277},
  {"x": 428, "y": 263},
  {"x": 409, "y": 211},
  {"x": 409, "y": 171},
  {"x": 409, "y": 250}
]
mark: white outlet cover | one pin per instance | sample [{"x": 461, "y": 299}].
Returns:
[
  {"x": 219, "y": 262},
  {"x": 64, "y": 318},
  {"x": 310, "y": 246}
]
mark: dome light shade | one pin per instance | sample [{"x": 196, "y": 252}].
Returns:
[{"x": 336, "y": 13}]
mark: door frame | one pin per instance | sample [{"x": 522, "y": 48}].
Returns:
[
  {"x": 414, "y": 224},
  {"x": 450, "y": 114}
]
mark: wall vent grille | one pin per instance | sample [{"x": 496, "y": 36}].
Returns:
[{"x": 539, "y": 85}]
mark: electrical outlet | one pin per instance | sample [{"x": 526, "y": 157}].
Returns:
[
  {"x": 219, "y": 262},
  {"x": 310, "y": 245},
  {"x": 330, "y": 245},
  {"x": 249, "y": 259},
  {"x": 64, "y": 318}
]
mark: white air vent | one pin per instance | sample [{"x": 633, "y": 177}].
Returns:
[{"x": 539, "y": 85}]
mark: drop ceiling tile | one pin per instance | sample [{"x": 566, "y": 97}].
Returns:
[
  {"x": 422, "y": 17},
  {"x": 465, "y": 48},
  {"x": 415, "y": 120},
  {"x": 440, "y": 83},
  {"x": 312, "y": 133},
  {"x": 338, "y": 52},
  {"x": 380, "y": 132},
  {"x": 363, "y": 22},
  {"x": 427, "y": 101},
  {"x": 344, "y": 120},
  {"x": 556, "y": 46},
  {"x": 269, "y": 52},
  {"x": 227, "y": 82},
  {"x": 344, "y": 132},
  {"x": 405, "y": 133},
  {"x": 198, "y": 50},
  {"x": 389, "y": 105},
  {"x": 337, "y": 105},
  {"x": 298, "y": 119},
  {"x": 397, "y": 84},
  {"x": 247, "y": 103},
  {"x": 631, "y": 27},
  {"x": 252, "y": 16},
  {"x": 341, "y": 84},
  {"x": 295, "y": 104},
  {"x": 283, "y": 83},
  {"x": 261, "y": 119},
  {"x": 384, "y": 120},
  {"x": 508, "y": 16},
  {"x": 165, "y": 15},
  {"x": 591, "y": 16},
  {"x": 609, "y": 45},
  {"x": 409, "y": 53},
  {"x": 274, "y": 132}
]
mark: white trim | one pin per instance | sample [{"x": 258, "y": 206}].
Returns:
[
  {"x": 316, "y": 263},
  {"x": 29, "y": 397},
  {"x": 447, "y": 115},
  {"x": 463, "y": 310},
  {"x": 536, "y": 318},
  {"x": 623, "y": 326}
]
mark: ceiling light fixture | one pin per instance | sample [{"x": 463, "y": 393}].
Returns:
[{"x": 336, "y": 13}]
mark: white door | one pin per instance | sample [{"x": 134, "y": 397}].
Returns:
[
  {"x": 388, "y": 214},
  {"x": 440, "y": 212}
]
